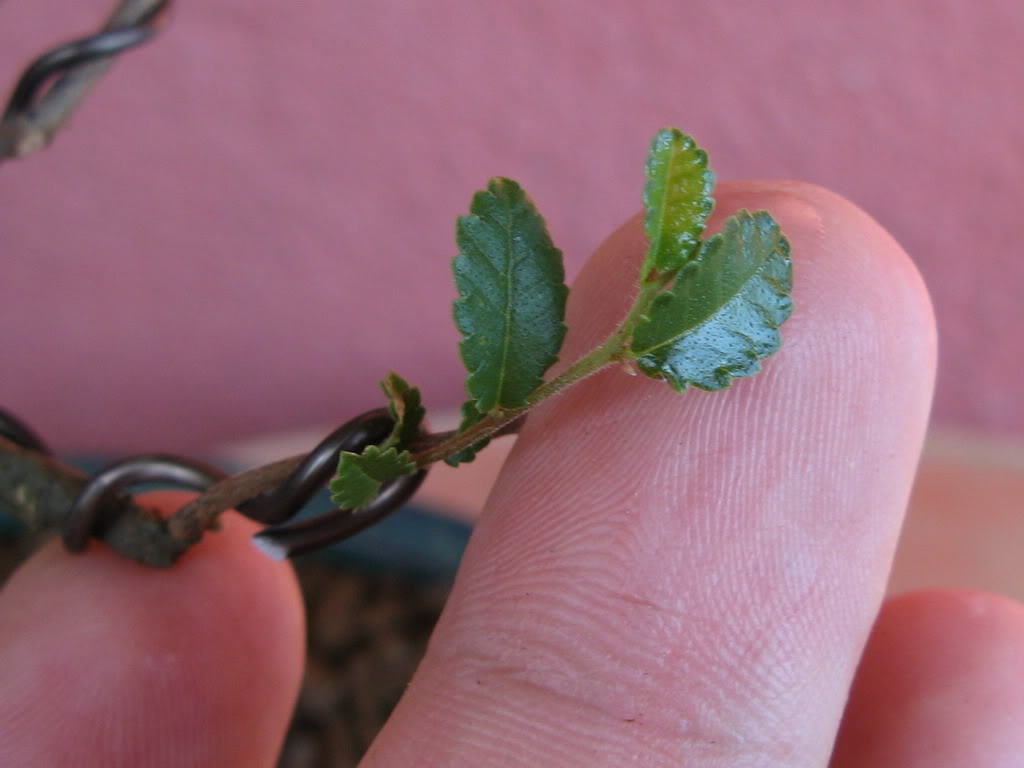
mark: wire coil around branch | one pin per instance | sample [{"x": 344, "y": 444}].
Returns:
[
  {"x": 91, "y": 512},
  {"x": 55, "y": 83}
]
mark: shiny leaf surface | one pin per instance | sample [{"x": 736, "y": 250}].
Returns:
[{"x": 721, "y": 317}]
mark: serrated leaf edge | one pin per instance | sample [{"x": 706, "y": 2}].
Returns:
[
  {"x": 707, "y": 203},
  {"x": 371, "y": 451},
  {"x": 519, "y": 196},
  {"x": 653, "y": 369}
]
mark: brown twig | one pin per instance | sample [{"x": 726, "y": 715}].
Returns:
[
  {"x": 39, "y": 490},
  {"x": 24, "y": 132},
  {"x": 201, "y": 514}
]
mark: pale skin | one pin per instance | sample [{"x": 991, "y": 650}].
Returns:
[{"x": 658, "y": 580}]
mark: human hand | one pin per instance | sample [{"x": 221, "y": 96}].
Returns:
[{"x": 658, "y": 579}]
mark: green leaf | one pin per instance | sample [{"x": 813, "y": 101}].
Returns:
[
  {"x": 470, "y": 416},
  {"x": 677, "y": 200},
  {"x": 511, "y": 296},
  {"x": 721, "y": 317},
  {"x": 406, "y": 408},
  {"x": 360, "y": 475}
]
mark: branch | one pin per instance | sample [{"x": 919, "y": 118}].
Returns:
[
  {"x": 191, "y": 521},
  {"x": 39, "y": 491},
  {"x": 27, "y": 128}
]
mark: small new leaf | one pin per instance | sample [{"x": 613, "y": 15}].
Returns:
[
  {"x": 360, "y": 475},
  {"x": 470, "y": 416},
  {"x": 677, "y": 201},
  {"x": 723, "y": 313},
  {"x": 511, "y": 297},
  {"x": 406, "y": 408}
]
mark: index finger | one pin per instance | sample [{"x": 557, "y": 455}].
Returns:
[{"x": 690, "y": 579}]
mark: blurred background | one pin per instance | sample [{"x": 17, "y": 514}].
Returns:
[
  {"x": 251, "y": 219},
  {"x": 241, "y": 201}
]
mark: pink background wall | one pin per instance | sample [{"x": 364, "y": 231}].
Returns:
[{"x": 252, "y": 218}]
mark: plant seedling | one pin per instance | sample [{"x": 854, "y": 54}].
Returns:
[{"x": 705, "y": 312}]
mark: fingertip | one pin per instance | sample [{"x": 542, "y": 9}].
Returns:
[
  {"x": 968, "y": 611},
  {"x": 196, "y": 664},
  {"x": 644, "y": 554},
  {"x": 842, "y": 256},
  {"x": 940, "y": 685},
  {"x": 941, "y": 633}
]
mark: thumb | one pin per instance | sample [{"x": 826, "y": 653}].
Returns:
[{"x": 106, "y": 662}]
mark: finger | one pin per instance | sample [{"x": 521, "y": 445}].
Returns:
[
  {"x": 106, "y": 662},
  {"x": 941, "y": 685},
  {"x": 690, "y": 579}
]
